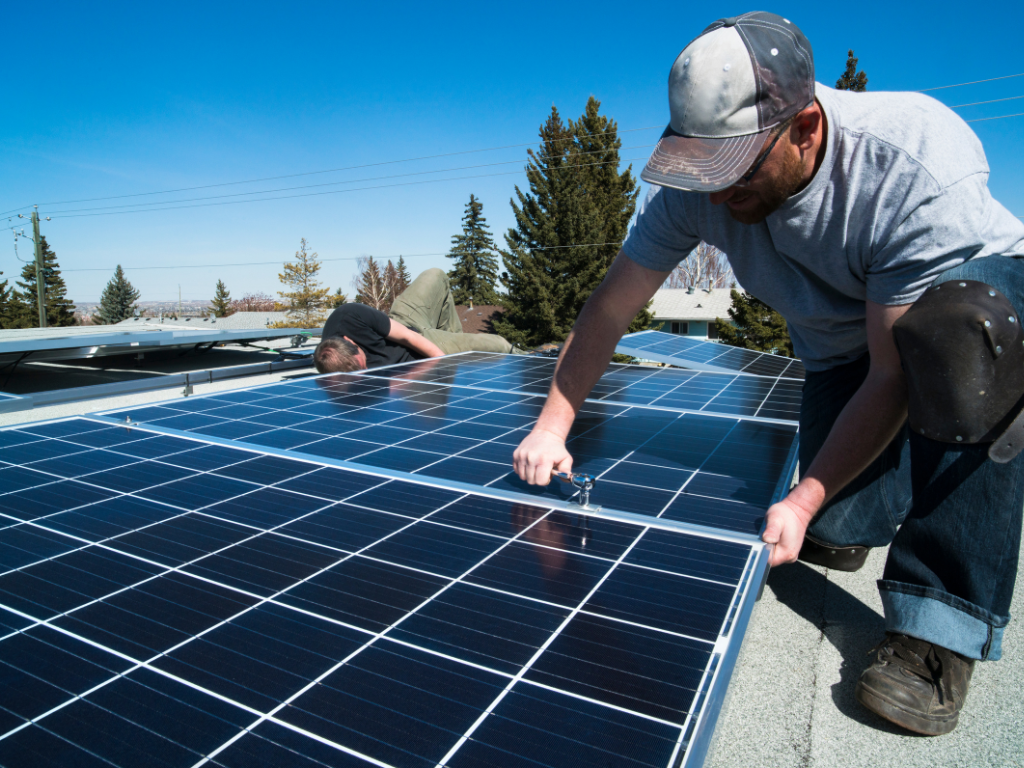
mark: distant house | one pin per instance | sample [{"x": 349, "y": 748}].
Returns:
[
  {"x": 690, "y": 312},
  {"x": 478, "y": 319},
  {"x": 239, "y": 321}
]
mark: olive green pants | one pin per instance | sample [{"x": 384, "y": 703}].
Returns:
[{"x": 427, "y": 306}]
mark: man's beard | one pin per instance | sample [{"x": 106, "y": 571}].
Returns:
[{"x": 776, "y": 191}]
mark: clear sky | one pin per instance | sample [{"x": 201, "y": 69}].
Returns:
[{"x": 110, "y": 98}]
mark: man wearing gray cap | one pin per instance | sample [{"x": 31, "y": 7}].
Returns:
[{"x": 866, "y": 220}]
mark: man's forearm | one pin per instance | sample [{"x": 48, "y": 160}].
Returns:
[
  {"x": 865, "y": 427},
  {"x": 585, "y": 356}
]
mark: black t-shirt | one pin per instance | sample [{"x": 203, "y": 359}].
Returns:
[{"x": 369, "y": 328}]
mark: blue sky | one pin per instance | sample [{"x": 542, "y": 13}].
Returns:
[{"x": 129, "y": 98}]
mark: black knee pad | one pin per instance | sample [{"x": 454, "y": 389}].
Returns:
[{"x": 962, "y": 350}]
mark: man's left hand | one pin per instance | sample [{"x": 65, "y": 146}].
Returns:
[{"x": 787, "y": 522}]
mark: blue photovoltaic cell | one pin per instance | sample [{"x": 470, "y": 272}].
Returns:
[
  {"x": 707, "y": 355},
  {"x": 728, "y": 393},
  {"x": 690, "y": 467},
  {"x": 262, "y": 610}
]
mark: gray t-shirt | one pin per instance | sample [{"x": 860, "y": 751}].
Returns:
[{"x": 901, "y": 196}]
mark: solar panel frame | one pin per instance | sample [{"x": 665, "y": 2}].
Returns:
[
  {"x": 701, "y": 355},
  {"x": 694, "y": 732}
]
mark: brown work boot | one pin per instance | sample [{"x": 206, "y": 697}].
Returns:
[{"x": 918, "y": 685}]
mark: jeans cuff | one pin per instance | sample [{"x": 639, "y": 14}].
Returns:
[{"x": 944, "y": 619}]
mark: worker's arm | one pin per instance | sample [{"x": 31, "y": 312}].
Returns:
[
  {"x": 418, "y": 343},
  {"x": 585, "y": 356},
  {"x": 865, "y": 427}
]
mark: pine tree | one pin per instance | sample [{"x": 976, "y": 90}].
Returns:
[
  {"x": 7, "y": 308},
  {"x": 221, "y": 303},
  {"x": 60, "y": 310},
  {"x": 403, "y": 275},
  {"x": 338, "y": 299},
  {"x": 755, "y": 326},
  {"x": 568, "y": 228},
  {"x": 371, "y": 288},
  {"x": 852, "y": 80},
  {"x": 307, "y": 301},
  {"x": 475, "y": 272},
  {"x": 117, "y": 302}
]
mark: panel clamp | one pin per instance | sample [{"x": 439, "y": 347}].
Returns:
[{"x": 584, "y": 482}]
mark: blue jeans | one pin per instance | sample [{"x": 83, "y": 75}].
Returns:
[{"x": 951, "y": 515}]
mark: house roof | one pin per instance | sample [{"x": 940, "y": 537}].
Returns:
[
  {"x": 677, "y": 304},
  {"x": 478, "y": 319}
]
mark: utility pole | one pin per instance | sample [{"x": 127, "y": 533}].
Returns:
[{"x": 40, "y": 269}]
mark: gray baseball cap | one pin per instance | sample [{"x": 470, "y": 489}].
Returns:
[{"x": 727, "y": 90}]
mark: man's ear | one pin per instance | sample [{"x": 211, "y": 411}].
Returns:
[{"x": 806, "y": 124}]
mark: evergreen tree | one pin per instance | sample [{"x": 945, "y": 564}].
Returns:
[
  {"x": 338, "y": 299},
  {"x": 6, "y": 306},
  {"x": 403, "y": 275},
  {"x": 221, "y": 303},
  {"x": 852, "y": 80},
  {"x": 307, "y": 301},
  {"x": 568, "y": 228},
  {"x": 60, "y": 310},
  {"x": 755, "y": 326},
  {"x": 117, "y": 302},
  {"x": 476, "y": 266}
]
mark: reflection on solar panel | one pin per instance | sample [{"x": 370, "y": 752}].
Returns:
[
  {"x": 694, "y": 468},
  {"x": 732, "y": 394},
  {"x": 706, "y": 355},
  {"x": 165, "y": 601}
]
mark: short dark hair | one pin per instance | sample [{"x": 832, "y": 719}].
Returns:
[{"x": 334, "y": 355}]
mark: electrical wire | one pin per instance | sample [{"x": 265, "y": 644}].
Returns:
[
  {"x": 335, "y": 191},
  {"x": 333, "y": 183},
  {"x": 993, "y": 101},
  {"x": 336, "y": 170},
  {"x": 1000, "y": 117},
  {"x": 973, "y": 82}
]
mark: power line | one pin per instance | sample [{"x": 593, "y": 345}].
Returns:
[
  {"x": 335, "y": 170},
  {"x": 993, "y": 101},
  {"x": 335, "y": 191},
  {"x": 277, "y": 262},
  {"x": 333, "y": 183},
  {"x": 1000, "y": 117},
  {"x": 973, "y": 82}
]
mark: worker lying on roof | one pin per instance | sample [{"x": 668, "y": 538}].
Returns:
[
  {"x": 422, "y": 323},
  {"x": 866, "y": 220}
]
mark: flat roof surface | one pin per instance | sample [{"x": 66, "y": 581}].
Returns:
[{"x": 791, "y": 698}]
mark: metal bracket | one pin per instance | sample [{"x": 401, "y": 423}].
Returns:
[{"x": 585, "y": 484}]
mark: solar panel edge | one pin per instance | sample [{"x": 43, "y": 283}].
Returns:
[
  {"x": 639, "y": 345},
  {"x": 703, "y": 731},
  {"x": 453, "y": 485}
]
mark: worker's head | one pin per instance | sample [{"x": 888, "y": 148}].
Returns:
[
  {"x": 334, "y": 355},
  {"x": 744, "y": 123}
]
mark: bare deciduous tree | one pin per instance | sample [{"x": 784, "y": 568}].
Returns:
[
  {"x": 706, "y": 267},
  {"x": 253, "y": 302},
  {"x": 370, "y": 286}
]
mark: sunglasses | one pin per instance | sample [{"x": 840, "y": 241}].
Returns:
[{"x": 744, "y": 180}]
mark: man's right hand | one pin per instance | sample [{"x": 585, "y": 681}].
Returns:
[{"x": 540, "y": 453}]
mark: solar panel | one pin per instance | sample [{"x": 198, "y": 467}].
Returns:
[
  {"x": 703, "y": 470},
  {"x": 701, "y": 355},
  {"x": 173, "y": 601},
  {"x": 96, "y": 341},
  {"x": 732, "y": 394}
]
